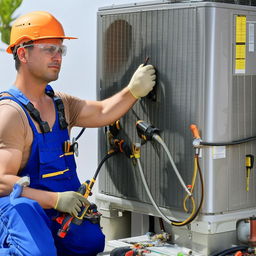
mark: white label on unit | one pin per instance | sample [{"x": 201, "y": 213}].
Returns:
[
  {"x": 219, "y": 152},
  {"x": 251, "y": 37}
]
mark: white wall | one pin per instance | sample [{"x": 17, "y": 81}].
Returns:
[{"x": 78, "y": 75}]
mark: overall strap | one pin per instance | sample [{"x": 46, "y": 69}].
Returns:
[
  {"x": 59, "y": 106},
  {"x": 32, "y": 125},
  {"x": 16, "y": 93},
  {"x": 44, "y": 126}
]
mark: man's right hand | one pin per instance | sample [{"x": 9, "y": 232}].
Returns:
[
  {"x": 70, "y": 202},
  {"x": 142, "y": 81}
]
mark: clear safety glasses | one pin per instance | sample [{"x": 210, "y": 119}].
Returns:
[{"x": 49, "y": 49}]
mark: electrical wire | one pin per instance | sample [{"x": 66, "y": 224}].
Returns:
[{"x": 157, "y": 138}]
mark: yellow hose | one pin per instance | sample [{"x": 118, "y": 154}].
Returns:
[
  {"x": 190, "y": 216},
  {"x": 190, "y": 197},
  {"x": 192, "y": 185}
]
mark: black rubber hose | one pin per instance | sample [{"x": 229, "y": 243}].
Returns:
[
  {"x": 80, "y": 133},
  {"x": 230, "y": 143},
  {"x": 107, "y": 156}
]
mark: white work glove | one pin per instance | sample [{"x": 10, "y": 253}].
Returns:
[
  {"x": 70, "y": 202},
  {"x": 142, "y": 81}
]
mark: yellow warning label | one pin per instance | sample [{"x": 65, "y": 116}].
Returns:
[
  {"x": 240, "y": 65},
  {"x": 240, "y": 51},
  {"x": 240, "y": 29},
  {"x": 240, "y": 45}
]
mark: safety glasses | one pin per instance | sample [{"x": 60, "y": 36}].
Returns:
[{"x": 49, "y": 49}]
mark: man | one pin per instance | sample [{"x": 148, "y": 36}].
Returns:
[{"x": 34, "y": 130}]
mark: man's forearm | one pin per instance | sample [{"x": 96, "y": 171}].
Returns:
[
  {"x": 46, "y": 199},
  {"x": 117, "y": 105}
]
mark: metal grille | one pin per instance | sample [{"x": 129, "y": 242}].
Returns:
[{"x": 169, "y": 38}]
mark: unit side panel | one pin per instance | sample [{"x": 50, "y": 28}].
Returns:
[
  {"x": 243, "y": 110},
  {"x": 229, "y": 111}
]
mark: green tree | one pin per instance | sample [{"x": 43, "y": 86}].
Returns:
[{"x": 7, "y": 8}]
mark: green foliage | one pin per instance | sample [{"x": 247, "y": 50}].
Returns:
[{"x": 7, "y": 8}]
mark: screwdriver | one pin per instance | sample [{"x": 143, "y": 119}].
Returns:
[{"x": 249, "y": 165}]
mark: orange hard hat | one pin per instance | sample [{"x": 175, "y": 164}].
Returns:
[{"x": 34, "y": 26}]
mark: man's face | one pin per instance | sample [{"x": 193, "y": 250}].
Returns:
[{"x": 44, "y": 59}]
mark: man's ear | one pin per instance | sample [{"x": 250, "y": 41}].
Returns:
[{"x": 21, "y": 53}]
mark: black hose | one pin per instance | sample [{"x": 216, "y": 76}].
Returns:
[
  {"x": 230, "y": 143},
  {"x": 107, "y": 156},
  {"x": 80, "y": 133},
  {"x": 230, "y": 250}
]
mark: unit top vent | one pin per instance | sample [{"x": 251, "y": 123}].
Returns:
[
  {"x": 158, "y": 2},
  {"x": 241, "y": 2}
]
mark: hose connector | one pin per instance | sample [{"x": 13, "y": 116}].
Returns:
[
  {"x": 145, "y": 130},
  {"x": 136, "y": 150},
  {"x": 123, "y": 147},
  {"x": 197, "y": 139},
  {"x": 114, "y": 128}
]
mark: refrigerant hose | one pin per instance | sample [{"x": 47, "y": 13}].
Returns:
[
  {"x": 193, "y": 216},
  {"x": 202, "y": 188},
  {"x": 158, "y": 139},
  {"x": 192, "y": 184},
  {"x": 164, "y": 217}
]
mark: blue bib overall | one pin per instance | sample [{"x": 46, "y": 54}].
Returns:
[{"x": 25, "y": 228}]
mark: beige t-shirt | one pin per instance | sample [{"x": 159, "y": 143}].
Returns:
[{"x": 15, "y": 131}]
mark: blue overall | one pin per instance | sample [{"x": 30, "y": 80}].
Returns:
[{"x": 25, "y": 228}]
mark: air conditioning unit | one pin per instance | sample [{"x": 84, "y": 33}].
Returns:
[{"x": 205, "y": 57}]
